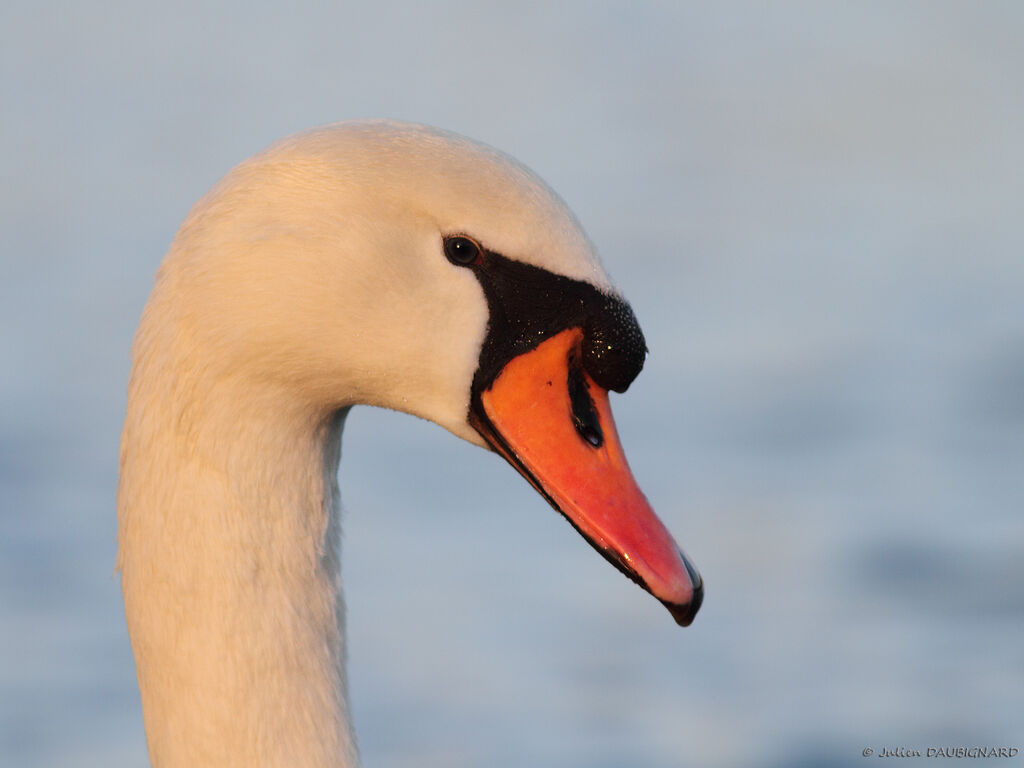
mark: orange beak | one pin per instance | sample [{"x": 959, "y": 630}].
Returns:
[{"x": 549, "y": 419}]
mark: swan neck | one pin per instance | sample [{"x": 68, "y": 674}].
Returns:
[{"x": 229, "y": 554}]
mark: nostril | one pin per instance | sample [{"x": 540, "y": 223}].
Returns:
[{"x": 584, "y": 413}]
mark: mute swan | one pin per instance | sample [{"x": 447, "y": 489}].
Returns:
[{"x": 371, "y": 262}]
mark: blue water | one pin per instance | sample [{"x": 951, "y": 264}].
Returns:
[{"x": 818, "y": 215}]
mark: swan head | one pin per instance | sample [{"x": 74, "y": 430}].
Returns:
[{"x": 401, "y": 266}]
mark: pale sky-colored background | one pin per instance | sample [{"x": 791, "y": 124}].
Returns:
[{"x": 817, "y": 211}]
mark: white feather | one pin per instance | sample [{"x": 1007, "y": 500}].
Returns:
[{"x": 310, "y": 279}]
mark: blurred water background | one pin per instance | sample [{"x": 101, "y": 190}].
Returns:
[{"x": 817, "y": 211}]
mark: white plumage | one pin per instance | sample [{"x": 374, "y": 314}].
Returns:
[{"x": 308, "y": 280}]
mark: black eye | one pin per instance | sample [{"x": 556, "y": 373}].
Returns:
[{"x": 462, "y": 250}]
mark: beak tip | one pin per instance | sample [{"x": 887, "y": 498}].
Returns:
[{"x": 684, "y": 613}]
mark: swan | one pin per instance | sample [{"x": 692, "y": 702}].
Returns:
[{"x": 369, "y": 262}]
